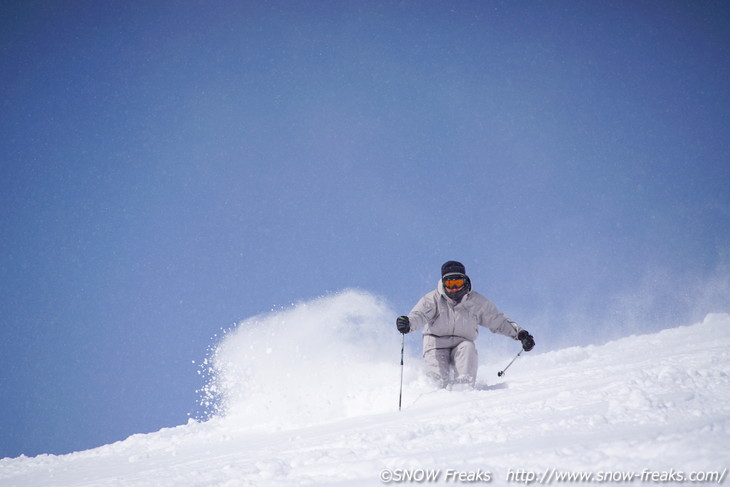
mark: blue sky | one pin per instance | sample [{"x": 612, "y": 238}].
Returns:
[{"x": 172, "y": 169}]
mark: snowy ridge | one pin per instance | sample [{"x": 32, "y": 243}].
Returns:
[{"x": 325, "y": 412}]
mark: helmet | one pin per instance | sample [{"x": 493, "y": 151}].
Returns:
[{"x": 452, "y": 266}]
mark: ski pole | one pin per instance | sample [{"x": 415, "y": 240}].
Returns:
[
  {"x": 402, "y": 347},
  {"x": 501, "y": 372}
]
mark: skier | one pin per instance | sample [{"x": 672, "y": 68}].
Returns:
[{"x": 450, "y": 315}]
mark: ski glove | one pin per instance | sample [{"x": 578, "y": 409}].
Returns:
[
  {"x": 403, "y": 324},
  {"x": 527, "y": 341}
]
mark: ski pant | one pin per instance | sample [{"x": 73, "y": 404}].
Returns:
[{"x": 461, "y": 358}]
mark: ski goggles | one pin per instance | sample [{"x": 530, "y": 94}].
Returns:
[{"x": 454, "y": 281}]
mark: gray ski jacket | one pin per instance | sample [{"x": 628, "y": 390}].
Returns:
[{"x": 446, "y": 323}]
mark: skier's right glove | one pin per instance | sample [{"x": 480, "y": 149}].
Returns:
[
  {"x": 528, "y": 343},
  {"x": 403, "y": 324}
]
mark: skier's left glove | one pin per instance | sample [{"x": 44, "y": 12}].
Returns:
[{"x": 527, "y": 341}]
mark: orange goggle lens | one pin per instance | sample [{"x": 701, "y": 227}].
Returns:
[{"x": 454, "y": 282}]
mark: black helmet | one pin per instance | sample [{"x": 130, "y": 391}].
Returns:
[{"x": 452, "y": 267}]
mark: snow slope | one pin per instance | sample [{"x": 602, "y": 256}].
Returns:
[{"x": 308, "y": 396}]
